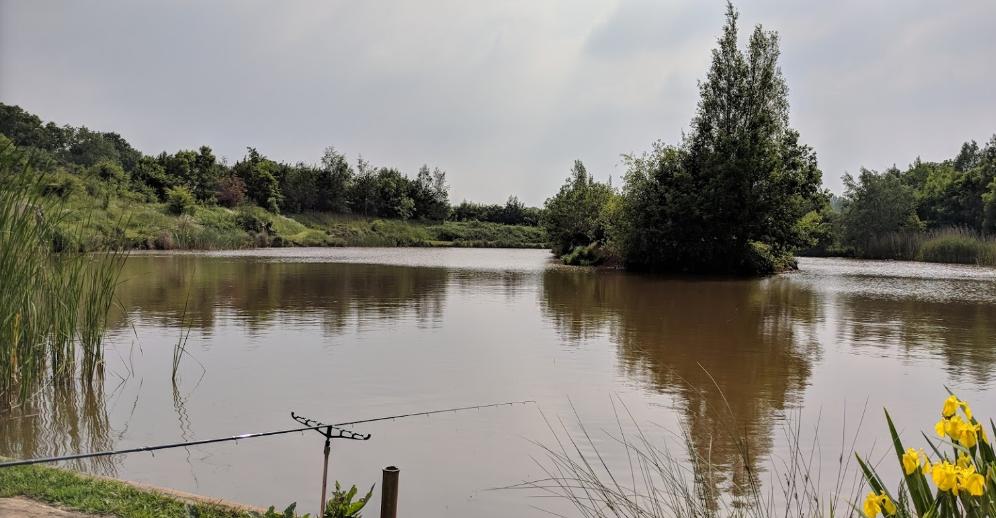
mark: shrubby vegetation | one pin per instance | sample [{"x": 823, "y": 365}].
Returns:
[
  {"x": 191, "y": 199},
  {"x": 573, "y": 217},
  {"x": 513, "y": 212}
]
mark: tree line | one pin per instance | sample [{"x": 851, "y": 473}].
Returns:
[
  {"x": 187, "y": 177},
  {"x": 877, "y": 206}
]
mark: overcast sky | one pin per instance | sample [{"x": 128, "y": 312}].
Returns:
[{"x": 503, "y": 95}]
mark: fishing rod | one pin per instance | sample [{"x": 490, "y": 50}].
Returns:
[{"x": 342, "y": 433}]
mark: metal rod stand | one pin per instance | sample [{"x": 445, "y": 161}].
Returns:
[{"x": 325, "y": 470}]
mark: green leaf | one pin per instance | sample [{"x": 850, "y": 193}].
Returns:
[{"x": 916, "y": 483}]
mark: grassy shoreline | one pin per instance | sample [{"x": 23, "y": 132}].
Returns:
[
  {"x": 103, "y": 496},
  {"x": 91, "y": 224}
]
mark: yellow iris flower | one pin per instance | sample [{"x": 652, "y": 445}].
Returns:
[
  {"x": 958, "y": 477},
  {"x": 878, "y": 503},
  {"x": 945, "y": 477},
  {"x": 963, "y": 432},
  {"x": 951, "y": 405},
  {"x": 912, "y": 460}
]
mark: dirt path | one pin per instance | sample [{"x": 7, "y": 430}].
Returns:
[{"x": 24, "y": 508}]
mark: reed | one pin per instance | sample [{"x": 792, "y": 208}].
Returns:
[
  {"x": 54, "y": 304},
  {"x": 661, "y": 481},
  {"x": 958, "y": 246},
  {"x": 945, "y": 245}
]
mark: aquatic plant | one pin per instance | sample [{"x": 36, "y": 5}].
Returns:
[
  {"x": 957, "y": 483},
  {"x": 661, "y": 482},
  {"x": 341, "y": 505},
  {"x": 963, "y": 480},
  {"x": 55, "y": 300}
]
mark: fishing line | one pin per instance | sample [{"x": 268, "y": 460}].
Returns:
[{"x": 321, "y": 426}]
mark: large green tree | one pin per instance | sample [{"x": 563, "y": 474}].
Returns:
[
  {"x": 429, "y": 192},
  {"x": 572, "y": 216},
  {"x": 334, "y": 178},
  {"x": 260, "y": 177},
  {"x": 877, "y": 204},
  {"x": 729, "y": 197}
]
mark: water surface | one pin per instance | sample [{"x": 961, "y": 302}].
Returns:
[{"x": 344, "y": 334}]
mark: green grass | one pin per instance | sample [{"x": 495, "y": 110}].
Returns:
[
  {"x": 489, "y": 235},
  {"x": 110, "y": 217},
  {"x": 346, "y": 230},
  {"x": 80, "y": 492}
]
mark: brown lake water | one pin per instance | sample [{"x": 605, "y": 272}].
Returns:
[{"x": 344, "y": 334}]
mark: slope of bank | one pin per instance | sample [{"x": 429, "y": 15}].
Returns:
[
  {"x": 101, "y": 496},
  {"x": 90, "y": 223}
]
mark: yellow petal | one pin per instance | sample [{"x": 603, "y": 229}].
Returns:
[
  {"x": 871, "y": 506},
  {"x": 888, "y": 505},
  {"x": 950, "y": 406},
  {"x": 976, "y": 484}
]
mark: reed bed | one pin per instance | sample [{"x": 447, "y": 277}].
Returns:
[
  {"x": 947, "y": 245},
  {"x": 54, "y": 305}
]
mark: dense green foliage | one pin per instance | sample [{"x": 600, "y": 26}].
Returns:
[
  {"x": 342, "y": 505},
  {"x": 332, "y": 185},
  {"x": 573, "y": 216},
  {"x": 727, "y": 199},
  {"x": 190, "y": 199},
  {"x": 932, "y": 211},
  {"x": 513, "y": 212}
]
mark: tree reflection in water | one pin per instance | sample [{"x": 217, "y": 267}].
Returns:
[{"x": 735, "y": 353}]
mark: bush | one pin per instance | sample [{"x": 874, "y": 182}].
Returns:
[
  {"x": 231, "y": 191},
  {"x": 254, "y": 221},
  {"x": 762, "y": 259},
  {"x": 591, "y": 255},
  {"x": 342, "y": 505},
  {"x": 179, "y": 200},
  {"x": 62, "y": 186},
  {"x": 572, "y": 217}
]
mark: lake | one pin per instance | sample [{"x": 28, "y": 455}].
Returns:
[{"x": 347, "y": 334}]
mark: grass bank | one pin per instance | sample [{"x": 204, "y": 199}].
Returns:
[
  {"x": 123, "y": 218},
  {"x": 71, "y": 490},
  {"x": 343, "y": 230}
]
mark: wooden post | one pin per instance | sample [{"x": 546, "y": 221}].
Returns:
[{"x": 389, "y": 493}]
